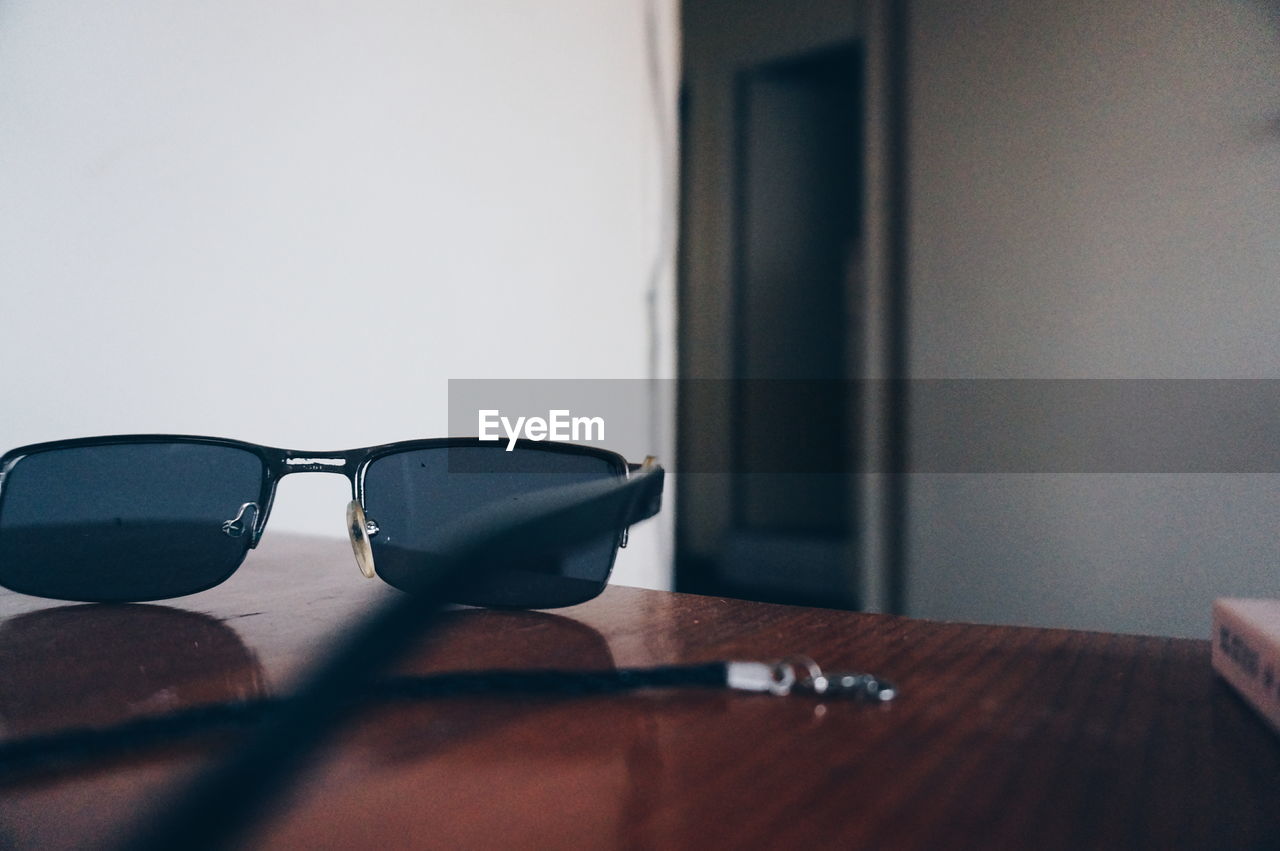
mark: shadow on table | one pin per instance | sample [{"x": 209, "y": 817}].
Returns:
[
  {"x": 100, "y": 664},
  {"x": 560, "y": 770}
]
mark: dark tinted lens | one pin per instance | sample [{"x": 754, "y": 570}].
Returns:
[
  {"x": 413, "y": 496},
  {"x": 137, "y": 521}
]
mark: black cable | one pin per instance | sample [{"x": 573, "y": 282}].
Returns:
[
  {"x": 65, "y": 748},
  {"x": 579, "y": 683}
]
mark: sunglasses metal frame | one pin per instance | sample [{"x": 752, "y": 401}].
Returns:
[{"x": 351, "y": 463}]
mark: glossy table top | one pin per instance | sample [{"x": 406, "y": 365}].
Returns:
[{"x": 1002, "y": 736}]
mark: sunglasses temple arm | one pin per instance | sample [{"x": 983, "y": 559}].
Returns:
[
  {"x": 222, "y": 803},
  {"x": 557, "y": 519}
]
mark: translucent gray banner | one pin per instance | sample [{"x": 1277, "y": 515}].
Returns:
[{"x": 955, "y": 425}]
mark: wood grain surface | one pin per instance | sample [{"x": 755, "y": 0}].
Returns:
[{"x": 1003, "y": 737}]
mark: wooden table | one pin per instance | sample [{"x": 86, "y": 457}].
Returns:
[{"x": 1002, "y": 736}]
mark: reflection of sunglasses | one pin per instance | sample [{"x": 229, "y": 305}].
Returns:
[{"x": 150, "y": 517}]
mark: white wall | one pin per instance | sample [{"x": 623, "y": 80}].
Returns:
[
  {"x": 292, "y": 222},
  {"x": 1094, "y": 195}
]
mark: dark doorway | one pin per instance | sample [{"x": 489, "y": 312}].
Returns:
[{"x": 773, "y": 302}]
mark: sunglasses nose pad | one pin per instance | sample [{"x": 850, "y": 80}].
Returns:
[
  {"x": 358, "y": 529},
  {"x": 243, "y": 521}
]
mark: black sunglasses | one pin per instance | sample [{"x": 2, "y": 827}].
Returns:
[{"x": 150, "y": 517}]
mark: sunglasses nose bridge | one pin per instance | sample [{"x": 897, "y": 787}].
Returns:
[
  {"x": 358, "y": 530},
  {"x": 315, "y": 462}
]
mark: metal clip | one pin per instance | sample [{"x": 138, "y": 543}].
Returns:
[
  {"x": 800, "y": 673},
  {"x": 859, "y": 686}
]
